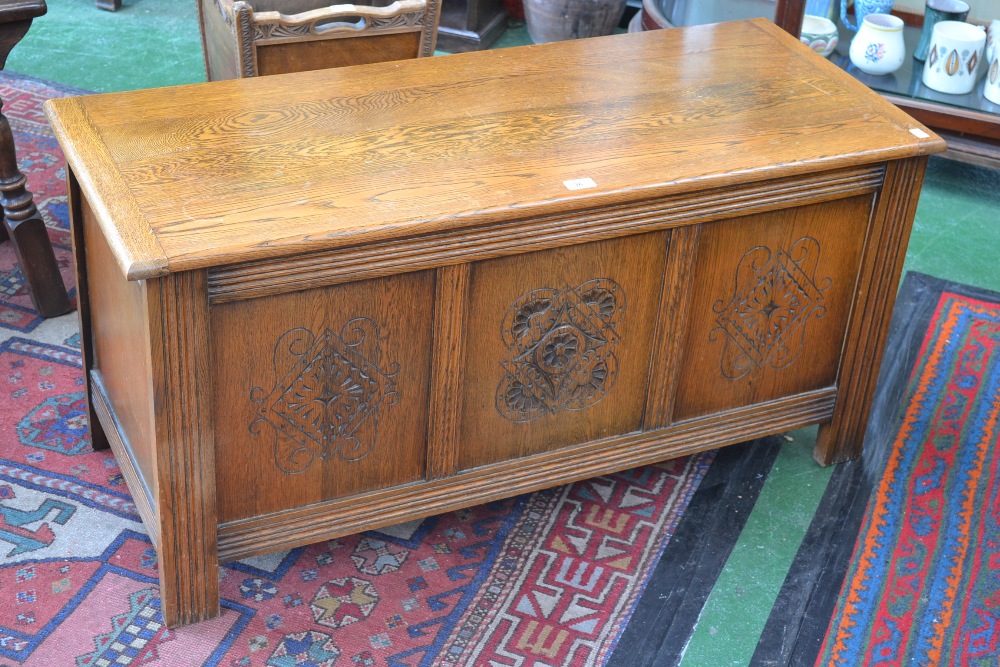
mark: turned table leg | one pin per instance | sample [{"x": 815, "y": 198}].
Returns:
[
  {"x": 22, "y": 224},
  {"x": 25, "y": 228}
]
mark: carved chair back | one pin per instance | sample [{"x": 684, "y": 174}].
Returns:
[{"x": 258, "y": 37}]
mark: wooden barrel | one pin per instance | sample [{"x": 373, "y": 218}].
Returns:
[{"x": 556, "y": 20}]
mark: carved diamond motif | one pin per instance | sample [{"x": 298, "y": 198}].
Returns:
[
  {"x": 560, "y": 349},
  {"x": 775, "y": 295},
  {"x": 328, "y": 395}
]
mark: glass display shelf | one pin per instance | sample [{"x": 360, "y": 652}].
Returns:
[{"x": 969, "y": 123}]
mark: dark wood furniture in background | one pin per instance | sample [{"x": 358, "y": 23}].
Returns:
[
  {"x": 322, "y": 302},
  {"x": 22, "y": 223},
  {"x": 788, "y": 15},
  {"x": 245, "y": 39},
  {"x": 470, "y": 25}
]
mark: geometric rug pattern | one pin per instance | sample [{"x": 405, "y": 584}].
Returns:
[
  {"x": 923, "y": 586},
  {"x": 548, "y": 578}
]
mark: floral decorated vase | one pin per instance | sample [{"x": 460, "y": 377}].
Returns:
[
  {"x": 878, "y": 47},
  {"x": 819, "y": 34}
]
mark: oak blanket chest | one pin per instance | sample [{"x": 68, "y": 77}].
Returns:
[{"x": 317, "y": 303}]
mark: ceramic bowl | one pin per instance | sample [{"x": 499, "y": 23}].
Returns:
[{"x": 819, "y": 34}]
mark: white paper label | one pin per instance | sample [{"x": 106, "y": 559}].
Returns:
[
  {"x": 580, "y": 184},
  {"x": 919, "y": 134}
]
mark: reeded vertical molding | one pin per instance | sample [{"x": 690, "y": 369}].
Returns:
[
  {"x": 188, "y": 553},
  {"x": 451, "y": 294},
  {"x": 882, "y": 264},
  {"x": 671, "y": 325}
]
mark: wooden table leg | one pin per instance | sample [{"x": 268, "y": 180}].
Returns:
[{"x": 25, "y": 228}]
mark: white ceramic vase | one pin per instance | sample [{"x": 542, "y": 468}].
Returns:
[
  {"x": 993, "y": 41},
  {"x": 952, "y": 64},
  {"x": 878, "y": 47},
  {"x": 991, "y": 89}
]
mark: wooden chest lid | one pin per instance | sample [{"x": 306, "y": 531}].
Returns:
[{"x": 219, "y": 173}]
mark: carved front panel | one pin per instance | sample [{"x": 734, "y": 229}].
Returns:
[
  {"x": 770, "y": 304},
  {"x": 327, "y": 395},
  {"x": 558, "y": 345},
  {"x": 321, "y": 393},
  {"x": 775, "y": 294},
  {"x": 560, "y": 349}
]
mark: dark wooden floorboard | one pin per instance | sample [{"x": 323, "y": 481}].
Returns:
[
  {"x": 801, "y": 613},
  {"x": 668, "y": 610}
]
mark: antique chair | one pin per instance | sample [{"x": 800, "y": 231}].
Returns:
[
  {"x": 22, "y": 223},
  {"x": 243, "y": 39}
]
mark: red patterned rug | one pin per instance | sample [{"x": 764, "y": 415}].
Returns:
[
  {"x": 923, "y": 587},
  {"x": 39, "y": 157},
  {"x": 548, "y": 578}
]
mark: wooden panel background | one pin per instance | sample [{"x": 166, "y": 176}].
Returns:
[
  {"x": 120, "y": 334},
  {"x": 636, "y": 264},
  {"x": 245, "y": 336},
  {"x": 304, "y": 56},
  {"x": 725, "y": 267}
]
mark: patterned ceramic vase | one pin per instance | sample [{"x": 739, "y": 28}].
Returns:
[
  {"x": 878, "y": 47},
  {"x": 819, "y": 34},
  {"x": 863, "y": 8},
  {"x": 993, "y": 41},
  {"x": 952, "y": 64},
  {"x": 991, "y": 90}
]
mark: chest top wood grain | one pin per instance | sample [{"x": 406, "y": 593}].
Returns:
[{"x": 204, "y": 175}]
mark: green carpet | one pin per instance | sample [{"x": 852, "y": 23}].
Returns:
[{"x": 147, "y": 44}]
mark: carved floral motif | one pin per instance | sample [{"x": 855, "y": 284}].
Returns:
[
  {"x": 774, "y": 296},
  {"x": 560, "y": 349},
  {"x": 327, "y": 396}
]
